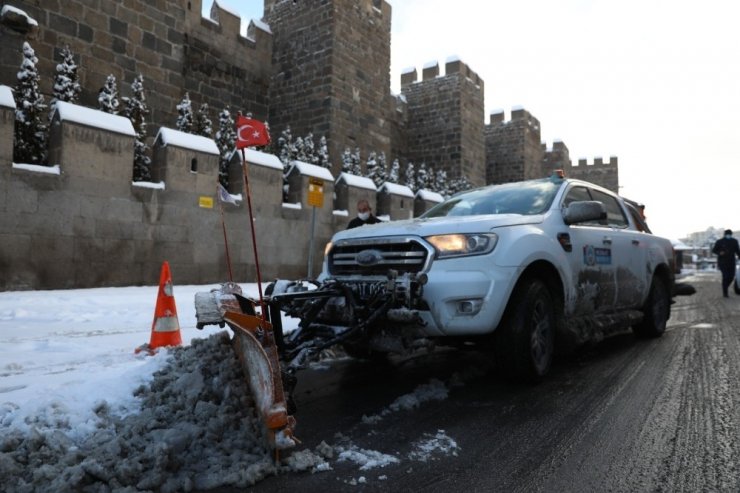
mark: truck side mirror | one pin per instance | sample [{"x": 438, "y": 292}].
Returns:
[{"x": 584, "y": 211}]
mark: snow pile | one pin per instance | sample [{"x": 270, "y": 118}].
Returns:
[{"x": 195, "y": 430}]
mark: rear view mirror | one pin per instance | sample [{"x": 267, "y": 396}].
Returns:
[{"x": 584, "y": 211}]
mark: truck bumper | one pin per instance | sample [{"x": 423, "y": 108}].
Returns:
[{"x": 465, "y": 302}]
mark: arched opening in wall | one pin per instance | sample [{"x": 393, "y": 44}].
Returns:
[{"x": 194, "y": 165}]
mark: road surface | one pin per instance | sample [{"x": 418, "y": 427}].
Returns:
[{"x": 624, "y": 415}]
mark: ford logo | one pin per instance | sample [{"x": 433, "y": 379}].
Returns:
[{"x": 369, "y": 257}]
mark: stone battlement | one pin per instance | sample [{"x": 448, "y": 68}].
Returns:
[
  {"x": 518, "y": 115},
  {"x": 431, "y": 70},
  {"x": 598, "y": 162}
]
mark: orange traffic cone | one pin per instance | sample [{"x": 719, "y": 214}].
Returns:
[{"x": 165, "y": 327}]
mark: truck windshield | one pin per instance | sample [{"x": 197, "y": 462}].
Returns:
[{"x": 525, "y": 198}]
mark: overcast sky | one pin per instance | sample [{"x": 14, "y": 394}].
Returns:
[{"x": 655, "y": 83}]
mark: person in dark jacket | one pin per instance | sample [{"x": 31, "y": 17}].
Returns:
[
  {"x": 364, "y": 215},
  {"x": 727, "y": 250}
]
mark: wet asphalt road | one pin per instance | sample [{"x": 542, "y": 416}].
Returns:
[{"x": 625, "y": 415}]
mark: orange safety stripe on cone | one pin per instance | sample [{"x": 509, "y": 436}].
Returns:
[{"x": 165, "y": 327}]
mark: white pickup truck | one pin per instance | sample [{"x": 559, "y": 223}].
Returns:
[{"x": 526, "y": 267}]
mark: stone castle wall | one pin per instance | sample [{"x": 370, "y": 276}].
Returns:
[
  {"x": 82, "y": 222},
  {"x": 321, "y": 66},
  {"x": 167, "y": 41}
]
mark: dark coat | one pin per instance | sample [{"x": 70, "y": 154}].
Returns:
[
  {"x": 726, "y": 250},
  {"x": 356, "y": 222}
]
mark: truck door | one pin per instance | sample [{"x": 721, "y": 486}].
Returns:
[
  {"x": 628, "y": 253},
  {"x": 640, "y": 273},
  {"x": 591, "y": 262}
]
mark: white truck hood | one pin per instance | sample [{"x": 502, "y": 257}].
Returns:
[{"x": 438, "y": 225}]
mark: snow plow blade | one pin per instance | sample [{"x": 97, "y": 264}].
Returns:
[
  {"x": 254, "y": 343},
  {"x": 255, "y": 346}
]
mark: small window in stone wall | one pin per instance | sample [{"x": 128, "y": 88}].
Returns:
[
  {"x": 194, "y": 165},
  {"x": 401, "y": 203}
]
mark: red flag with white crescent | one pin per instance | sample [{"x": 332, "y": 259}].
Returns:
[{"x": 250, "y": 132}]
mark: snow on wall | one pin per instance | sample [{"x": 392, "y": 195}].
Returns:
[
  {"x": 10, "y": 8},
  {"x": 94, "y": 118},
  {"x": 170, "y": 136},
  {"x": 356, "y": 181},
  {"x": 6, "y": 97},
  {"x": 396, "y": 189},
  {"x": 429, "y": 195},
  {"x": 263, "y": 159},
  {"x": 312, "y": 170},
  {"x": 261, "y": 25}
]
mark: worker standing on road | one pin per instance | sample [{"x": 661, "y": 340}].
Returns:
[
  {"x": 727, "y": 250},
  {"x": 364, "y": 215}
]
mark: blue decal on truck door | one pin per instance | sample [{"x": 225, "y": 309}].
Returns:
[{"x": 596, "y": 256}]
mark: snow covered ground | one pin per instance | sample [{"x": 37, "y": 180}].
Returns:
[{"x": 79, "y": 410}]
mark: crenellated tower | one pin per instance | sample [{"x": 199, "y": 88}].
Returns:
[
  {"x": 444, "y": 125},
  {"x": 599, "y": 172},
  {"x": 513, "y": 150},
  {"x": 331, "y": 72}
]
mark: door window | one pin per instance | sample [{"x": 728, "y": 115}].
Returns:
[{"x": 614, "y": 214}]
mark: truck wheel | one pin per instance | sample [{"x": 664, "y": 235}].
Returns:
[
  {"x": 736, "y": 287},
  {"x": 524, "y": 341},
  {"x": 656, "y": 311}
]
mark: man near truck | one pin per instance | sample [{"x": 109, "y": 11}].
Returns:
[
  {"x": 727, "y": 251},
  {"x": 364, "y": 215}
]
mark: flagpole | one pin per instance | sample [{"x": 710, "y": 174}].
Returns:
[
  {"x": 226, "y": 240},
  {"x": 254, "y": 238}
]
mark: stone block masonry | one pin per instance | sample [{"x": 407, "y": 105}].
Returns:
[
  {"x": 83, "y": 223},
  {"x": 167, "y": 41},
  {"x": 445, "y": 120},
  {"x": 331, "y": 77},
  {"x": 513, "y": 150}
]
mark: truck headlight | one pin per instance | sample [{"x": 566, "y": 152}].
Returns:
[{"x": 458, "y": 245}]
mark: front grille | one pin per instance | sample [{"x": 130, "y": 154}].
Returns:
[{"x": 375, "y": 257}]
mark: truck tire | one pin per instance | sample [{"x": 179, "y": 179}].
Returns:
[
  {"x": 735, "y": 286},
  {"x": 524, "y": 341},
  {"x": 656, "y": 311}
]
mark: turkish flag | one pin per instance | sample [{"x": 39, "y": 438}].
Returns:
[{"x": 250, "y": 132}]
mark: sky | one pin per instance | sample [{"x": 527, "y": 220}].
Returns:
[
  {"x": 68, "y": 373},
  {"x": 654, "y": 83}
]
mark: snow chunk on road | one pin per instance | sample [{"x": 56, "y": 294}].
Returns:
[
  {"x": 439, "y": 444},
  {"x": 435, "y": 390},
  {"x": 366, "y": 459}
]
